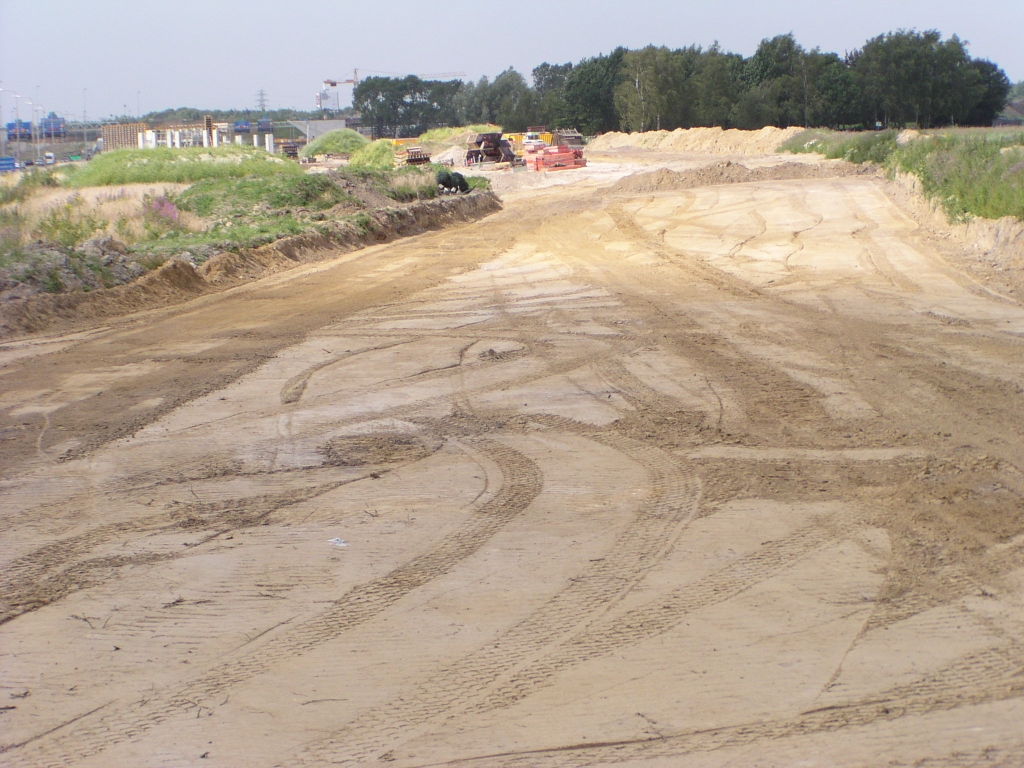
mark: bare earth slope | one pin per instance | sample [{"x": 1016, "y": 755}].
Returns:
[{"x": 662, "y": 475}]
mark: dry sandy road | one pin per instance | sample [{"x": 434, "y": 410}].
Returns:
[{"x": 723, "y": 476}]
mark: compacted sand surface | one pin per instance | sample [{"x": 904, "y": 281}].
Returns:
[{"x": 655, "y": 473}]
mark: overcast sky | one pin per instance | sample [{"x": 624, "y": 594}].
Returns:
[{"x": 129, "y": 55}]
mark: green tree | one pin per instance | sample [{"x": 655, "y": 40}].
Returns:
[
  {"x": 717, "y": 85},
  {"x": 549, "y": 87},
  {"x": 590, "y": 93},
  {"x": 995, "y": 93},
  {"x": 511, "y": 101}
]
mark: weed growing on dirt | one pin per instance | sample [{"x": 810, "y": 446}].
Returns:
[
  {"x": 27, "y": 184},
  {"x": 68, "y": 225},
  {"x": 181, "y": 166},
  {"x": 343, "y": 142}
]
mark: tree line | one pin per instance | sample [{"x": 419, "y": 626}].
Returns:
[{"x": 896, "y": 79}]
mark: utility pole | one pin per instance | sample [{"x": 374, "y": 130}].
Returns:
[{"x": 261, "y": 100}]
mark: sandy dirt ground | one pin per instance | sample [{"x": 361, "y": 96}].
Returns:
[{"x": 728, "y": 475}]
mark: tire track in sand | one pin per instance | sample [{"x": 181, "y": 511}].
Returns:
[
  {"x": 521, "y": 483},
  {"x": 477, "y": 678},
  {"x": 994, "y": 674}
]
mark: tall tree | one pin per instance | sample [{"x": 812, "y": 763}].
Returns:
[
  {"x": 549, "y": 86},
  {"x": 717, "y": 86},
  {"x": 590, "y": 93}
]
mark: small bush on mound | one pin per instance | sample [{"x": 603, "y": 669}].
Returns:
[
  {"x": 343, "y": 142},
  {"x": 180, "y": 166},
  {"x": 379, "y": 155}
]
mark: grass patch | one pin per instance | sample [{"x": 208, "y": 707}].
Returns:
[
  {"x": 970, "y": 172},
  {"x": 379, "y": 155},
  {"x": 869, "y": 146},
  {"x": 268, "y": 196},
  {"x": 343, "y": 142},
  {"x": 179, "y": 166}
]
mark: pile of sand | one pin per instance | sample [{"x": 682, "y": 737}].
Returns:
[
  {"x": 455, "y": 156},
  {"x": 706, "y": 141},
  {"x": 664, "y": 180}
]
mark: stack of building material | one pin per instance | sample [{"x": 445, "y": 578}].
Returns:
[{"x": 558, "y": 158}]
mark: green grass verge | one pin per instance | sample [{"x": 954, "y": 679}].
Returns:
[
  {"x": 971, "y": 173},
  {"x": 269, "y": 196},
  {"x": 870, "y": 146},
  {"x": 180, "y": 166},
  {"x": 343, "y": 142},
  {"x": 379, "y": 155}
]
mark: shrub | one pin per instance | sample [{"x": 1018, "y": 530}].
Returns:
[
  {"x": 160, "y": 215},
  {"x": 67, "y": 225}
]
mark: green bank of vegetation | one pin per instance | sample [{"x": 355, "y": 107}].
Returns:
[
  {"x": 378, "y": 155},
  {"x": 179, "y": 166},
  {"x": 895, "y": 79},
  {"x": 342, "y": 142},
  {"x": 236, "y": 198},
  {"x": 970, "y": 173}
]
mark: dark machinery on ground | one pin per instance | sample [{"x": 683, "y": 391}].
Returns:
[{"x": 490, "y": 148}]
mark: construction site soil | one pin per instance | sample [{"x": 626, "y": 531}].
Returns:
[{"x": 684, "y": 468}]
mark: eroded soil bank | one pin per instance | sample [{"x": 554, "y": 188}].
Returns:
[{"x": 178, "y": 280}]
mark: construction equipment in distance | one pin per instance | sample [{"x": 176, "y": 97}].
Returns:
[
  {"x": 556, "y": 158},
  {"x": 490, "y": 148}
]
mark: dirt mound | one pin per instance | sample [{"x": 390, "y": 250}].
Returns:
[
  {"x": 665, "y": 180},
  {"x": 179, "y": 281},
  {"x": 707, "y": 141},
  {"x": 452, "y": 156}
]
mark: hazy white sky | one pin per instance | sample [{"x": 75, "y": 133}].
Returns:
[{"x": 124, "y": 55}]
